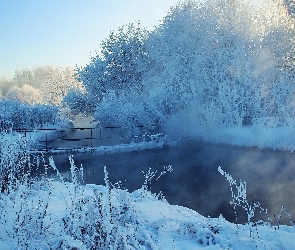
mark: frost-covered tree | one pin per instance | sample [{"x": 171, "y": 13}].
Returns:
[
  {"x": 33, "y": 97},
  {"x": 25, "y": 94},
  {"x": 115, "y": 76},
  {"x": 126, "y": 59},
  {"x": 79, "y": 103},
  {"x": 43, "y": 84},
  {"x": 290, "y": 4},
  {"x": 5, "y": 86},
  {"x": 56, "y": 82},
  {"x": 217, "y": 63},
  {"x": 24, "y": 77},
  {"x": 224, "y": 61},
  {"x": 194, "y": 48},
  {"x": 120, "y": 64}
]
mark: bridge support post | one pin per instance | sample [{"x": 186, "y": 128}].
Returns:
[
  {"x": 91, "y": 137},
  {"x": 46, "y": 143}
]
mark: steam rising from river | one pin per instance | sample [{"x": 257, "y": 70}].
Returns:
[{"x": 195, "y": 181}]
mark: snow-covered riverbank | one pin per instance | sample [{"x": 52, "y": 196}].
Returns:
[{"x": 66, "y": 216}]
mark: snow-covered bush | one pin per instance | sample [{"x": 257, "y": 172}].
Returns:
[
  {"x": 14, "y": 159},
  {"x": 23, "y": 219},
  {"x": 99, "y": 218},
  {"x": 128, "y": 112},
  {"x": 25, "y": 116},
  {"x": 91, "y": 217}
]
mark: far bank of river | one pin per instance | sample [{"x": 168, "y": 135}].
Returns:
[{"x": 195, "y": 181}]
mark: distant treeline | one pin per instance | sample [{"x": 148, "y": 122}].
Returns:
[{"x": 208, "y": 64}]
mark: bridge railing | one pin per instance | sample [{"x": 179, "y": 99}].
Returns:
[{"x": 80, "y": 137}]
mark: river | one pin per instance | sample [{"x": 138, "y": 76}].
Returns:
[{"x": 195, "y": 181}]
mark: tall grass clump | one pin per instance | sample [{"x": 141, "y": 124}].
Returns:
[{"x": 101, "y": 218}]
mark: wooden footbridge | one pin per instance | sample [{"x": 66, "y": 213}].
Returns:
[{"x": 49, "y": 139}]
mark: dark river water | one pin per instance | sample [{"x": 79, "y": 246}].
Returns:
[{"x": 195, "y": 181}]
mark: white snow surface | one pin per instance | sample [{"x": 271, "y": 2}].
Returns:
[{"x": 153, "y": 222}]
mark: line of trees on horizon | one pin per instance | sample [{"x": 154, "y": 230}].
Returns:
[
  {"x": 209, "y": 63},
  {"x": 34, "y": 98}
]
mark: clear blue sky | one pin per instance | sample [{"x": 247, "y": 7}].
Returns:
[{"x": 65, "y": 32}]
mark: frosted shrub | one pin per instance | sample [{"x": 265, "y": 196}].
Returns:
[
  {"x": 150, "y": 178},
  {"x": 204, "y": 235},
  {"x": 94, "y": 218},
  {"x": 23, "y": 115},
  {"x": 239, "y": 199},
  {"x": 103, "y": 219},
  {"x": 239, "y": 196},
  {"x": 278, "y": 220},
  {"x": 14, "y": 159},
  {"x": 23, "y": 219}
]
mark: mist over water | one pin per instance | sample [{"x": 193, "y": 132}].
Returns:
[{"x": 195, "y": 181}]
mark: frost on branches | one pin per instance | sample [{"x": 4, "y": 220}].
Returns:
[{"x": 212, "y": 64}]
